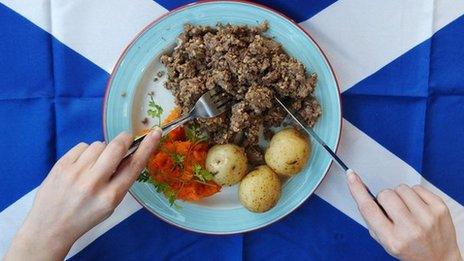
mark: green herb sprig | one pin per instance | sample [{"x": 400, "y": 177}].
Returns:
[
  {"x": 195, "y": 135},
  {"x": 160, "y": 187},
  {"x": 154, "y": 110},
  {"x": 144, "y": 176},
  {"x": 178, "y": 159},
  {"x": 166, "y": 190},
  {"x": 202, "y": 174}
]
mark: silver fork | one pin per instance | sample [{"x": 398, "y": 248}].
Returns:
[{"x": 211, "y": 104}]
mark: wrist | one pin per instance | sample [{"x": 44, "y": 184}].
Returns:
[
  {"x": 454, "y": 255},
  {"x": 32, "y": 243}
]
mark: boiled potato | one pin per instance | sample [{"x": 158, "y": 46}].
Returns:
[
  {"x": 288, "y": 152},
  {"x": 228, "y": 163},
  {"x": 260, "y": 190}
]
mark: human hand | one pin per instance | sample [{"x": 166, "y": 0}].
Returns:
[
  {"x": 417, "y": 226},
  {"x": 82, "y": 189}
]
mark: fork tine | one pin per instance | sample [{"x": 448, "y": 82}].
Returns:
[
  {"x": 215, "y": 91},
  {"x": 223, "y": 103},
  {"x": 219, "y": 97}
]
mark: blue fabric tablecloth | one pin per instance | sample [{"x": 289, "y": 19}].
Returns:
[{"x": 51, "y": 99}]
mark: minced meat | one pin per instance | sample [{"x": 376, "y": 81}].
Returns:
[
  {"x": 251, "y": 68},
  {"x": 255, "y": 155}
]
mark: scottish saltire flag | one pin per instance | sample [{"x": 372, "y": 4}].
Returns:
[{"x": 400, "y": 64}]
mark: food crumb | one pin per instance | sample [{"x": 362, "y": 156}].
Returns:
[
  {"x": 155, "y": 79},
  {"x": 268, "y": 133},
  {"x": 255, "y": 155},
  {"x": 160, "y": 74},
  {"x": 286, "y": 124},
  {"x": 123, "y": 94},
  {"x": 145, "y": 121}
]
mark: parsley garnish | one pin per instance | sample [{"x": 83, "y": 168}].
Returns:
[
  {"x": 160, "y": 187},
  {"x": 178, "y": 159},
  {"x": 144, "y": 176},
  {"x": 166, "y": 190},
  {"x": 194, "y": 134},
  {"x": 154, "y": 109},
  {"x": 171, "y": 196},
  {"x": 202, "y": 174},
  {"x": 163, "y": 140}
]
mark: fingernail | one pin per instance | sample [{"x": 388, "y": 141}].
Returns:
[
  {"x": 156, "y": 131},
  {"x": 352, "y": 177}
]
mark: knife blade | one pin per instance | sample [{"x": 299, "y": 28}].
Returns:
[{"x": 313, "y": 134}]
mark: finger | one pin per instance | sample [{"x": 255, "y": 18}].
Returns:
[
  {"x": 427, "y": 196},
  {"x": 130, "y": 169},
  {"x": 415, "y": 204},
  {"x": 90, "y": 155},
  {"x": 112, "y": 156},
  {"x": 374, "y": 236},
  {"x": 433, "y": 201},
  {"x": 395, "y": 207},
  {"x": 380, "y": 225},
  {"x": 73, "y": 154}
]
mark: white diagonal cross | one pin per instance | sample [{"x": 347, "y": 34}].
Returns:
[{"x": 363, "y": 33}]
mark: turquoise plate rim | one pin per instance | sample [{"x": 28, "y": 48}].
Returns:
[{"x": 252, "y": 4}]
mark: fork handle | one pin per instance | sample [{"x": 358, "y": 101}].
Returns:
[
  {"x": 166, "y": 129},
  {"x": 176, "y": 123}
]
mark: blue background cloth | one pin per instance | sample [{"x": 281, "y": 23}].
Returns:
[{"x": 51, "y": 99}]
